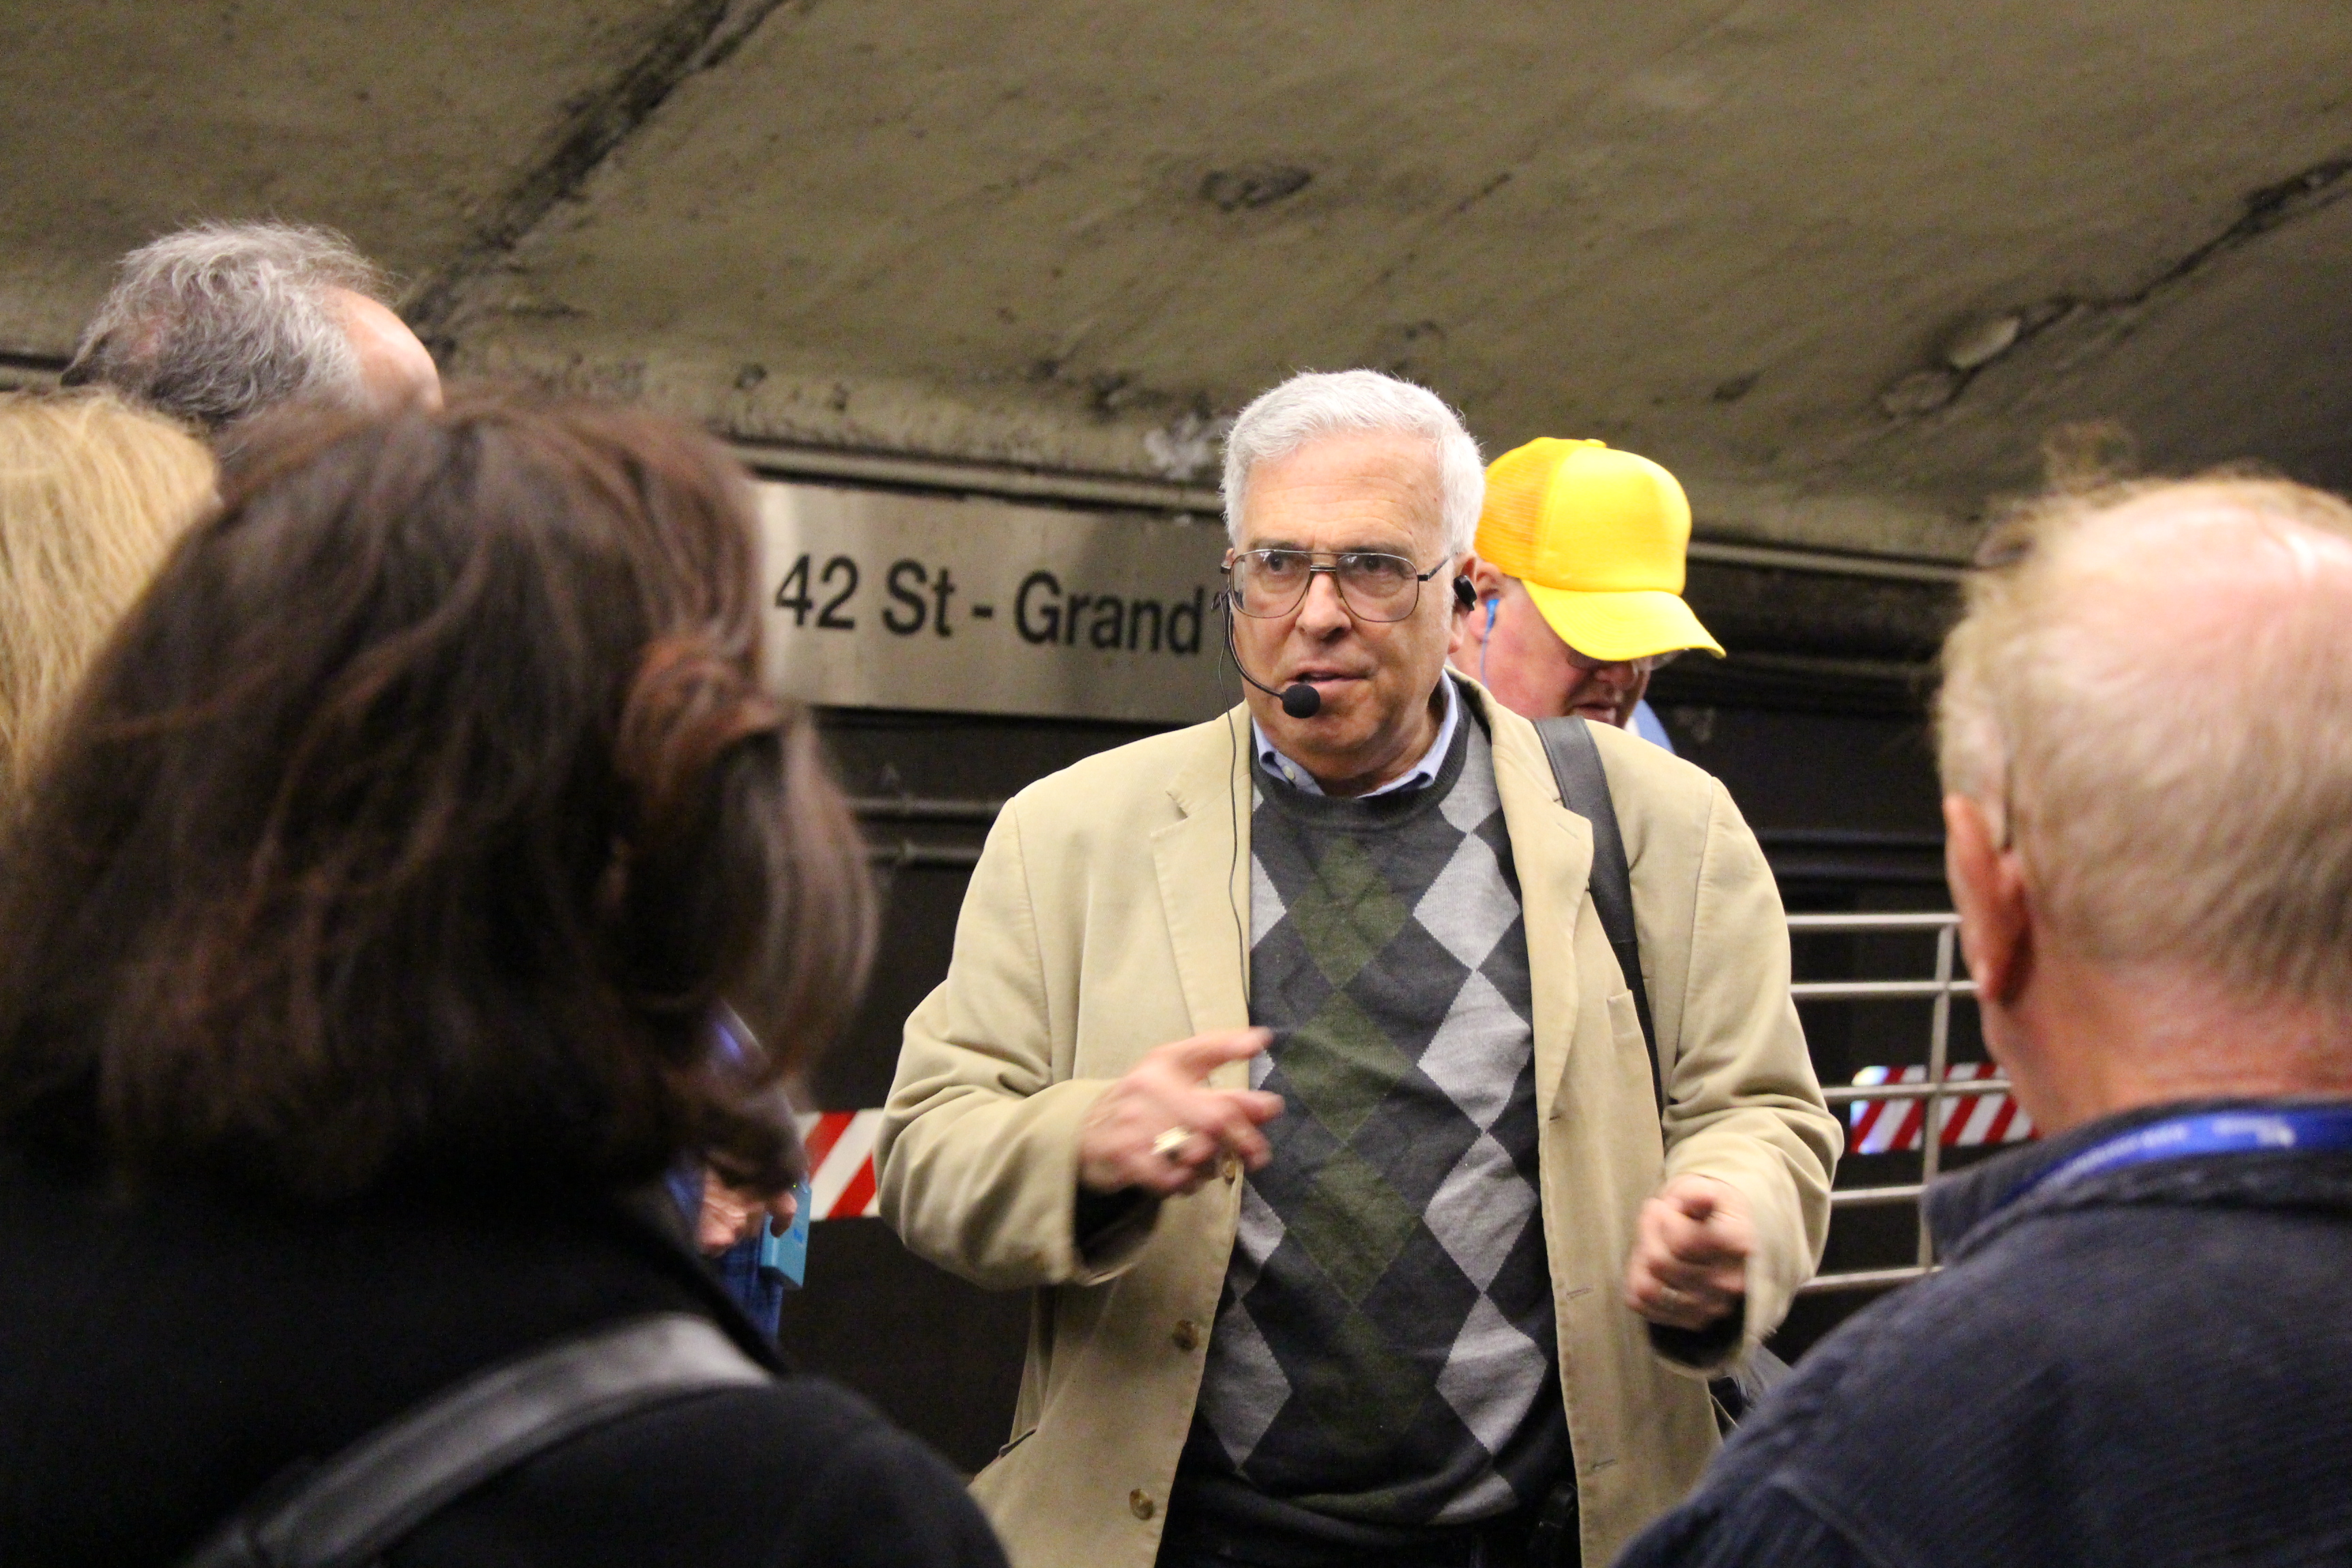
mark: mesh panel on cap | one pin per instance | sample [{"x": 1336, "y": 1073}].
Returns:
[
  {"x": 1512, "y": 523},
  {"x": 1614, "y": 523}
]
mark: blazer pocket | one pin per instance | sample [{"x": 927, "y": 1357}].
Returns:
[{"x": 1625, "y": 1026}]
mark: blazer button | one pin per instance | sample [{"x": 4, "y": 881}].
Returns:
[
  {"x": 1138, "y": 1505},
  {"x": 1187, "y": 1336}
]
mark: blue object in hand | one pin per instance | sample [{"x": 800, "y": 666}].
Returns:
[{"x": 786, "y": 1252}]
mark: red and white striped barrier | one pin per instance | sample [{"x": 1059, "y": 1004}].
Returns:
[
  {"x": 841, "y": 1164},
  {"x": 840, "y": 1142},
  {"x": 1891, "y": 1126}
]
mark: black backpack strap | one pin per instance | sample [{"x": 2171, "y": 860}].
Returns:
[
  {"x": 367, "y": 1498},
  {"x": 1584, "y": 790}
]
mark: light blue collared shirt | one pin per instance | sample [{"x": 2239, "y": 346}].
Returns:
[
  {"x": 1421, "y": 774},
  {"x": 1650, "y": 727}
]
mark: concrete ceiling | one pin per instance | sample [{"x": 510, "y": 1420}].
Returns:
[{"x": 1843, "y": 266}]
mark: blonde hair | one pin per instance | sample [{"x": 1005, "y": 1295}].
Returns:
[
  {"x": 92, "y": 493},
  {"x": 2150, "y": 695}
]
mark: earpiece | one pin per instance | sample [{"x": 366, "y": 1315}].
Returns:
[{"x": 1465, "y": 592}]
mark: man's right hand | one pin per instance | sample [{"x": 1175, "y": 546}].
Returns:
[{"x": 1129, "y": 1138}]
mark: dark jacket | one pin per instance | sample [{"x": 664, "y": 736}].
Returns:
[
  {"x": 161, "y": 1362},
  {"x": 2143, "y": 1367}
]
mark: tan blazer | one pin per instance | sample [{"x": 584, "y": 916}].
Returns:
[{"x": 1108, "y": 916}]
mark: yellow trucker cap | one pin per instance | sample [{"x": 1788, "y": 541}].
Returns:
[{"x": 1597, "y": 536}]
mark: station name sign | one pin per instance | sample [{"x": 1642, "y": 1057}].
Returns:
[{"x": 878, "y": 600}]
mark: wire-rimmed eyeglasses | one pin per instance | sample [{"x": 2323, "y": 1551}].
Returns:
[{"x": 1372, "y": 585}]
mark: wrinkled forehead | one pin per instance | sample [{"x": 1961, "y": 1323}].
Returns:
[{"x": 1363, "y": 489}]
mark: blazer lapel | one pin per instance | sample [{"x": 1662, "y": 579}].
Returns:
[
  {"x": 1552, "y": 849},
  {"x": 1203, "y": 862}
]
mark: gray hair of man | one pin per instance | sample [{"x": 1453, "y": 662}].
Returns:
[
  {"x": 1316, "y": 405},
  {"x": 2151, "y": 699},
  {"x": 224, "y": 320}
]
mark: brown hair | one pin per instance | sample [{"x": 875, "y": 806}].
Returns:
[
  {"x": 417, "y": 822},
  {"x": 91, "y": 495}
]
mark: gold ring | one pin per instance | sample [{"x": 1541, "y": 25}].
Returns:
[{"x": 1168, "y": 1142}]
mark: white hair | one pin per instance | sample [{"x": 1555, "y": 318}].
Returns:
[
  {"x": 224, "y": 320},
  {"x": 1317, "y": 404},
  {"x": 2150, "y": 696}
]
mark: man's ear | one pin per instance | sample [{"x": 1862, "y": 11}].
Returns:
[
  {"x": 1988, "y": 890},
  {"x": 1462, "y": 627},
  {"x": 1484, "y": 576}
]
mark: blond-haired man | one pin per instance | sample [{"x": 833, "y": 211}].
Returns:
[
  {"x": 2136, "y": 1350},
  {"x": 1578, "y": 578},
  {"x": 1461, "y": 1308}
]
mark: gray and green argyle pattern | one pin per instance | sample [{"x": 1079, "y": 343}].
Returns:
[{"x": 1384, "y": 1350}]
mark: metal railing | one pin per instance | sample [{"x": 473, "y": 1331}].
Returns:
[
  {"x": 1943, "y": 989},
  {"x": 1803, "y": 853},
  {"x": 904, "y": 853}
]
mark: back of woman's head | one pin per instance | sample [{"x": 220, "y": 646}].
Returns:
[
  {"x": 92, "y": 492},
  {"x": 414, "y": 824}
]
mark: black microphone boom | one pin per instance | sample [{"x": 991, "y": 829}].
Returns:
[{"x": 1299, "y": 699}]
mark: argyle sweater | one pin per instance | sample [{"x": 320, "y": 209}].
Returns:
[{"x": 1384, "y": 1356}]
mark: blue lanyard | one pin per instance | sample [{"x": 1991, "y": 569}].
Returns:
[{"x": 2308, "y": 1128}]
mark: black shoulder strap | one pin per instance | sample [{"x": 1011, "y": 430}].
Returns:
[
  {"x": 374, "y": 1492},
  {"x": 1584, "y": 790}
]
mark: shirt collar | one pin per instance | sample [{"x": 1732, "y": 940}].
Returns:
[
  {"x": 1962, "y": 1203},
  {"x": 1418, "y": 776}
]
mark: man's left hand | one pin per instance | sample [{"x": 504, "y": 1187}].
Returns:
[
  {"x": 727, "y": 1215},
  {"x": 730, "y": 1214},
  {"x": 1690, "y": 1254}
]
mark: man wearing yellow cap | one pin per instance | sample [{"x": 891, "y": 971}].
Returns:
[{"x": 1580, "y": 579}]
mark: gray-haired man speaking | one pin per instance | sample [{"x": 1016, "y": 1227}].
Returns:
[
  {"x": 221, "y": 323},
  {"x": 1461, "y": 1306}
]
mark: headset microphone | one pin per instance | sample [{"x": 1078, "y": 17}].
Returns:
[{"x": 1299, "y": 699}]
